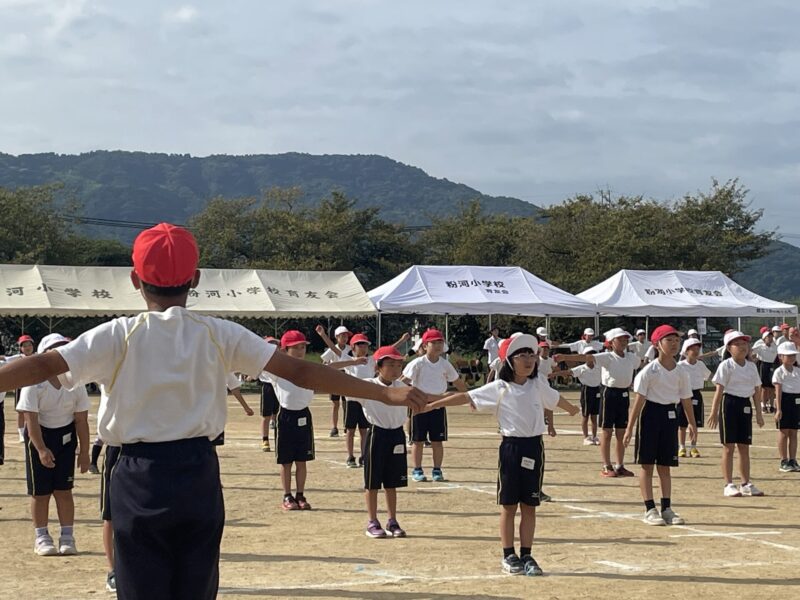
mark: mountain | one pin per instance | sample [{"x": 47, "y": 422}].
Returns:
[
  {"x": 776, "y": 275},
  {"x": 145, "y": 187}
]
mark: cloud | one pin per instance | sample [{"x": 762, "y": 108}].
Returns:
[{"x": 183, "y": 14}]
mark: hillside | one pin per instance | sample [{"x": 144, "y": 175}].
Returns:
[
  {"x": 140, "y": 186},
  {"x": 777, "y": 275}
]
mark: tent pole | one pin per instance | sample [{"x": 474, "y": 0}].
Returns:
[
  {"x": 490, "y": 323},
  {"x": 547, "y": 324},
  {"x": 379, "y": 329},
  {"x": 738, "y": 323},
  {"x": 446, "y": 329},
  {"x": 647, "y": 327},
  {"x": 597, "y": 324},
  {"x": 50, "y": 325}
]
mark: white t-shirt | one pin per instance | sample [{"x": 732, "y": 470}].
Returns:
[
  {"x": 56, "y": 407},
  {"x": 588, "y": 376},
  {"x": 789, "y": 381},
  {"x": 519, "y": 408},
  {"x": 580, "y": 345},
  {"x": 698, "y": 373},
  {"x": 617, "y": 371},
  {"x": 232, "y": 382},
  {"x": 737, "y": 380},
  {"x": 290, "y": 396},
  {"x": 663, "y": 386},
  {"x": 640, "y": 348},
  {"x": 649, "y": 354},
  {"x": 430, "y": 377},
  {"x": 163, "y": 375},
  {"x": 765, "y": 353},
  {"x": 384, "y": 415},
  {"x": 546, "y": 366},
  {"x": 492, "y": 346},
  {"x": 366, "y": 371},
  {"x": 781, "y": 340},
  {"x": 329, "y": 355},
  {"x": 495, "y": 365}
]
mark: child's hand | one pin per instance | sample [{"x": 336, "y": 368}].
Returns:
[
  {"x": 711, "y": 422},
  {"x": 249, "y": 411},
  {"x": 760, "y": 419},
  {"x": 47, "y": 459},
  {"x": 778, "y": 415},
  {"x": 83, "y": 461},
  {"x": 626, "y": 439},
  {"x": 551, "y": 430},
  {"x": 692, "y": 430},
  {"x": 405, "y": 337},
  {"x": 407, "y": 396},
  {"x": 573, "y": 410},
  {"x": 320, "y": 330}
]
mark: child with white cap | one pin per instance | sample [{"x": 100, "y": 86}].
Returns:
[
  {"x": 766, "y": 352},
  {"x": 590, "y": 378},
  {"x": 737, "y": 381},
  {"x": 56, "y": 424},
  {"x": 519, "y": 399},
  {"x": 662, "y": 389},
  {"x": 787, "y": 406},
  {"x": 341, "y": 350},
  {"x": 587, "y": 339},
  {"x": 781, "y": 333},
  {"x": 641, "y": 345},
  {"x": 698, "y": 375}
]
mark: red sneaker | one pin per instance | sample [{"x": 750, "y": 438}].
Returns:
[
  {"x": 302, "y": 503},
  {"x": 608, "y": 471},
  {"x": 289, "y": 503},
  {"x": 623, "y": 472}
]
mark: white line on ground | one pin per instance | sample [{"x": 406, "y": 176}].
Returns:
[{"x": 620, "y": 566}]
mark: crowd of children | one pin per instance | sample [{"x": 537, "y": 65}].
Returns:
[{"x": 167, "y": 448}]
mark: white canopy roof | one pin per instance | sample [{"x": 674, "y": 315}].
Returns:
[
  {"x": 679, "y": 294},
  {"x": 468, "y": 290},
  {"x": 53, "y": 291}
]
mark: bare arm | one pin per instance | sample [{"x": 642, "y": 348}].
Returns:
[
  {"x": 320, "y": 378},
  {"x": 328, "y": 341},
  {"x": 460, "y": 385},
  {"x": 713, "y": 417},
  {"x": 237, "y": 393},
  {"x": 34, "y": 369},
  {"x": 450, "y": 400},
  {"x": 778, "y": 402},
  {"x": 636, "y": 410},
  {"x": 343, "y": 364},
  {"x": 35, "y": 434},
  {"x": 403, "y": 339},
  {"x": 570, "y": 408},
  {"x": 82, "y": 431},
  {"x": 757, "y": 397},
  {"x": 688, "y": 410}
]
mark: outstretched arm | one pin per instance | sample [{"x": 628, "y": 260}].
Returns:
[
  {"x": 403, "y": 339},
  {"x": 328, "y": 341},
  {"x": 34, "y": 369}
]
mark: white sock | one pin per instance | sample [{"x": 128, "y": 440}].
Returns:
[{"x": 21, "y": 431}]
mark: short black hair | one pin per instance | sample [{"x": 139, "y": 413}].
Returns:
[
  {"x": 506, "y": 373},
  {"x": 167, "y": 292}
]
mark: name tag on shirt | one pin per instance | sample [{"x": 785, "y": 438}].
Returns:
[
  {"x": 671, "y": 414},
  {"x": 399, "y": 449},
  {"x": 747, "y": 410},
  {"x": 695, "y": 401},
  {"x": 528, "y": 463},
  {"x": 301, "y": 422},
  {"x": 66, "y": 439}
]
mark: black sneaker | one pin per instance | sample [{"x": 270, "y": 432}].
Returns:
[
  {"x": 544, "y": 497},
  {"x": 512, "y": 565},
  {"x": 786, "y": 466},
  {"x": 351, "y": 462},
  {"x": 795, "y": 466},
  {"x": 111, "y": 582},
  {"x": 360, "y": 461},
  {"x": 531, "y": 567},
  {"x": 334, "y": 432}
]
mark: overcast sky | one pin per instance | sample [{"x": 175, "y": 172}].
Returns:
[{"x": 538, "y": 100}]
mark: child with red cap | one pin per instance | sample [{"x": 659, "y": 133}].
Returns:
[
  {"x": 519, "y": 398},
  {"x": 162, "y": 376},
  {"x": 269, "y": 402},
  {"x": 662, "y": 388},
  {"x": 385, "y": 448},
  {"x": 431, "y": 373}
]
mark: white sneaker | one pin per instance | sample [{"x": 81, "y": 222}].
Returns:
[
  {"x": 596, "y": 440},
  {"x": 651, "y": 517},
  {"x": 749, "y": 489},
  {"x": 588, "y": 441},
  {"x": 21, "y": 439},
  {"x": 731, "y": 491},
  {"x": 671, "y": 517},
  {"x": 66, "y": 546},
  {"x": 44, "y": 546}
]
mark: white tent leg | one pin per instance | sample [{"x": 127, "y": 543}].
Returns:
[
  {"x": 447, "y": 330},
  {"x": 547, "y": 325},
  {"x": 490, "y": 323},
  {"x": 647, "y": 327},
  {"x": 597, "y": 324},
  {"x": 738, "y": 323},
  {"x": 379, "y": 330}
]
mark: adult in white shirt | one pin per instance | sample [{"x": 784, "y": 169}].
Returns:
[
  {"x": 492, "y": 345},
  {"x": 737, "y": 381},
  {"x": 787, "y": 401},
  {"x": 56, "y": 421},
  {"x": 431, "y": 373},
  {"x": 587, "y": 339},
  {"x": 662, "y": 388}
]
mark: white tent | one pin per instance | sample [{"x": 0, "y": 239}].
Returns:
[
  {"x": 54, "y": 291},
  {"x": 470, "y": 290},
  {"x": 680, "y": 294}
]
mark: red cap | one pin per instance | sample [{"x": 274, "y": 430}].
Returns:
[
  {"x": 544, "y": 345},
  {"x": 271, "y": 340},
  {"x": 165, "y": 255},
  {"x": 359, "y": 338},
  {"x": 764, "y": 329},
  {"x": 25, "y": 338},
  {"x": 293, "y": 338},
  {"x": 663, "y": 331},
  {"x": 785, "y": 326},
  {"x": 387, "y": 352},
  {"x": 432, "y": 335}
]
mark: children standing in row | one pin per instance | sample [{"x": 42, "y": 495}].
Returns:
[
  {"x": 662, "y": 389},
  {"x": 56, "y": 425},
  {"x": 737, "y": 381},
  {"x": 431, "y": 373},
  {"x": 787, "y": 406},
  {"x": 698, "y": 375},
  {"x": 518, "y": 398}
]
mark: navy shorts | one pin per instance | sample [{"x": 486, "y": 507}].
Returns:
[
  {"x": 385, "y": 458},
  {"x": 112, "y": 454},
  {"x": 62, "y": 442},
  {"x": 614, "y": 408},
  {"x": 354, "y": 415},
  {"x": 294, "y": 436},
  {"x": 590, "y": 400},
  {"x": 697, "y": 409},
  {"x": 657, "y": 435},
  {"x": 735, "y": 420},
  {"x": 430, "y": 426},
  {"x": 766, "y": 370},
  {"x": 269, "y": 400},
  {"x": 790, "y": 411},
  {"x": 520, "y": 471}
]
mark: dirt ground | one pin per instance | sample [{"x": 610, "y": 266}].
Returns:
[{"x": 589, "y": 540}]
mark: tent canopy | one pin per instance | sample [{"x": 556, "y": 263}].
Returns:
[
  {"x": 53, "y": 291},
  {"x": 680, "y": 294},
  {"x": 469, "y": 290}
]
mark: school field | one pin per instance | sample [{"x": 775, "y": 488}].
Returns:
[{"x": 589, "y": 540}]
